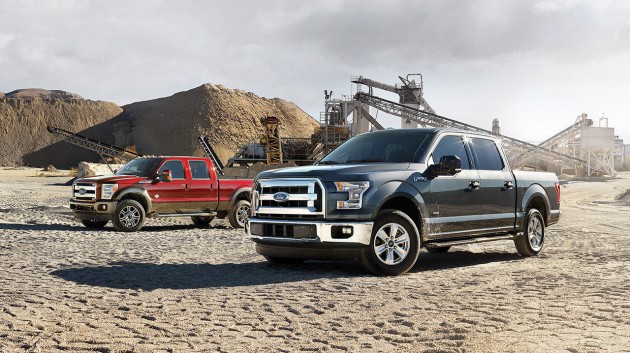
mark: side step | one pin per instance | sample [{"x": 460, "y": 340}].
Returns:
[
  {"x": 440, "y": 244},
  {"x": 201, "y": 214}
]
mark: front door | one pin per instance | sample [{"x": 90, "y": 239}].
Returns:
[
  {"x": 454, "y": 200},
  {"x": 171, "y": 196}
]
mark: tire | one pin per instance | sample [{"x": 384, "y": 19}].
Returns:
[
  {"x": 283, "y": 260},
  {"x": 394, "y": 246},
  {"x": 129, "y": 216},
  {"x": 203, "y": 221},
  {"x": 439, "y": 250},
  {"x": 92, "y": 224},
  {"x": 239, "y": 213},
  {"x": 531, "y": 241}
]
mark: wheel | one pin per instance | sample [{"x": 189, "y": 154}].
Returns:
[
  {"x": 533, "y": 238},
  {"x": 439, "y": 250},
  {"x": 283, "y": 260},
  {"x": 239, "y": 213},
  {"x": 394, "y": 246},
  {"x": 129, "y": 216},
  {"x": 92, "y": 224},
  {"x": 201, "y": 220}
]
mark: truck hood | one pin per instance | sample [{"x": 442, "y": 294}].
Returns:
[
  {"x": 339, "y": 172},
  {"x": 111, "y": 178}
]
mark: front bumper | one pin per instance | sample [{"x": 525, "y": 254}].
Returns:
[
  {"x": 286, "y": 232},
  {"x": 99, "y": 210}
]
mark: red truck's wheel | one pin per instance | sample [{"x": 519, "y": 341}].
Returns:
[
  {"x": 129, "y": 216},
  {"x": 239, "y": 213},
  {"x": 394, "y": 246},
  {"x": 533, "y": 238}
]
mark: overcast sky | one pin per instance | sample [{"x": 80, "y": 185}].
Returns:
[{"x": 534, "y": 65}]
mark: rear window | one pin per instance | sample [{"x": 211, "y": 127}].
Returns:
[
  {"x": 199, "y": 169},
  {"x": 486, "y": 153}
]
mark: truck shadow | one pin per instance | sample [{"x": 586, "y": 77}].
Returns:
[
  {"x": 456, "y": 259},
  {"x": 149, "y": 276}
]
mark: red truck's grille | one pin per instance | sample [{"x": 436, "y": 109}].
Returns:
[{"x": 84, "y": 191}]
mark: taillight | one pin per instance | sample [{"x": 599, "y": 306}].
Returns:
[{"x": 558, "y": 191}]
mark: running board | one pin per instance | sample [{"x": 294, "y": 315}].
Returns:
[
  {"x": 441, "y": 244},
  {"x": 200, "y": 214}
]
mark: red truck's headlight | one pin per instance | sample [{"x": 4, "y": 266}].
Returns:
[{"x": 108, "y": 190}]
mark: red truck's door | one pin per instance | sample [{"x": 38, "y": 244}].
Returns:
[
  {"x": 171, "y": 196},
  {"x": 204, "y": 191}
]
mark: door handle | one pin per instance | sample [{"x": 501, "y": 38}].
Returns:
[
  {"x": 508, "y": 185},
  {"x": 473, "y": 185}
]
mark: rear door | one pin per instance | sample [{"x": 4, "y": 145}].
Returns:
[
  {"x": 203, "y": 188},
  {"x": 498, "y": 187},
  {"x": 454, "y": 200},
  {"x": 171, "y": 196}
]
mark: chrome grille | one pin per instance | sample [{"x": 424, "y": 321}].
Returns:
[
  {"x": 84, "y": 191},
  {"x": 301, "y": 197}
]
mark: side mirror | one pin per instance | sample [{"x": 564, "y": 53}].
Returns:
[
  {"x": 449, "y": 165},
  {"x": 164, "y": 176}
]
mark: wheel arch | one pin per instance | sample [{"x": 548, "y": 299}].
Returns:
[
  {"x": 137, "y": 194},
  {"x": 240, "y": 194},
  {"x": 536, "y": 197},
  {"x": 403, "y": 197}
]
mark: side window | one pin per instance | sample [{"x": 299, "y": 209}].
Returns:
[
  {"x": 199, "y": 169},
  {"x": 486, "y": 153},
  {"x": 176, "y": 168},
  {"x": 451, "y": 146}
]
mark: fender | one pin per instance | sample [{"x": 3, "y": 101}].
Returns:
[
  {"x": 397, "y": 188},
  {"x": 137, "y": 191},
  {"x": 237, "y": 193},
  {"x": 534, "y": 190}
]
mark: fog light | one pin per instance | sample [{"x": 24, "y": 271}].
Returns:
[
  {"x": 346, "y": 230},
  {"x": 102, "y": 207}
]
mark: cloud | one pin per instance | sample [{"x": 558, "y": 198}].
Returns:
[{"x": 480, "y": 58}]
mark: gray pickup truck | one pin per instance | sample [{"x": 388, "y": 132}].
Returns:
[{"x": 382, "y": 196}]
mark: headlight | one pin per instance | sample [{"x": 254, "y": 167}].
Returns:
[
  {"x": 108, "y": 190},
  {"x": 355, "y": 190}
]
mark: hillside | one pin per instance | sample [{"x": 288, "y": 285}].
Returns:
[
  {"x": 23, "y": 122},
  {"x": 163, "y": 126},
  {"x": 230, "y": 118}
]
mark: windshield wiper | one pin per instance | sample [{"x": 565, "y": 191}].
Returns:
[
  {"x": 327, "y": 162},
  {"x": 364, "y": 160}
]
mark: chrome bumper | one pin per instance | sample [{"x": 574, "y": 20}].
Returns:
[{"x": 361, "y": 232}]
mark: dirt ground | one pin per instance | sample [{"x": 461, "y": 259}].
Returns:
[{"x": 175, "y": 288}]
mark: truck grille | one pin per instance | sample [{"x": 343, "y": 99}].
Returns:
[
  {"x": 84, "y": 191},
  {"x": 289, "y": 198}
]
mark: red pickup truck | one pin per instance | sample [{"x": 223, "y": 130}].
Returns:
[{"x": 160, "y": 187}]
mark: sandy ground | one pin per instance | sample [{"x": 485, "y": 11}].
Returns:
[{"x": 175, "y": 288}]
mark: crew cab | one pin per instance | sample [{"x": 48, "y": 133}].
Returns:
[
  {"x": 160, "y": 186},
  {"x": 382, "y": 196}
]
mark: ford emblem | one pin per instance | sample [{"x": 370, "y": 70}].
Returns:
[
  {"x": 281, "y": 197},
  {"x": 82, "y": 191}
]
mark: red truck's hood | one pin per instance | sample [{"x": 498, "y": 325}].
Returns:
[{"x": 111, "y": 178}]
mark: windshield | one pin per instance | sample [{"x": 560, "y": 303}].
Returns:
[
  {"x": 388, "y": 146},
  {"x": 142, "y": 167}
]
